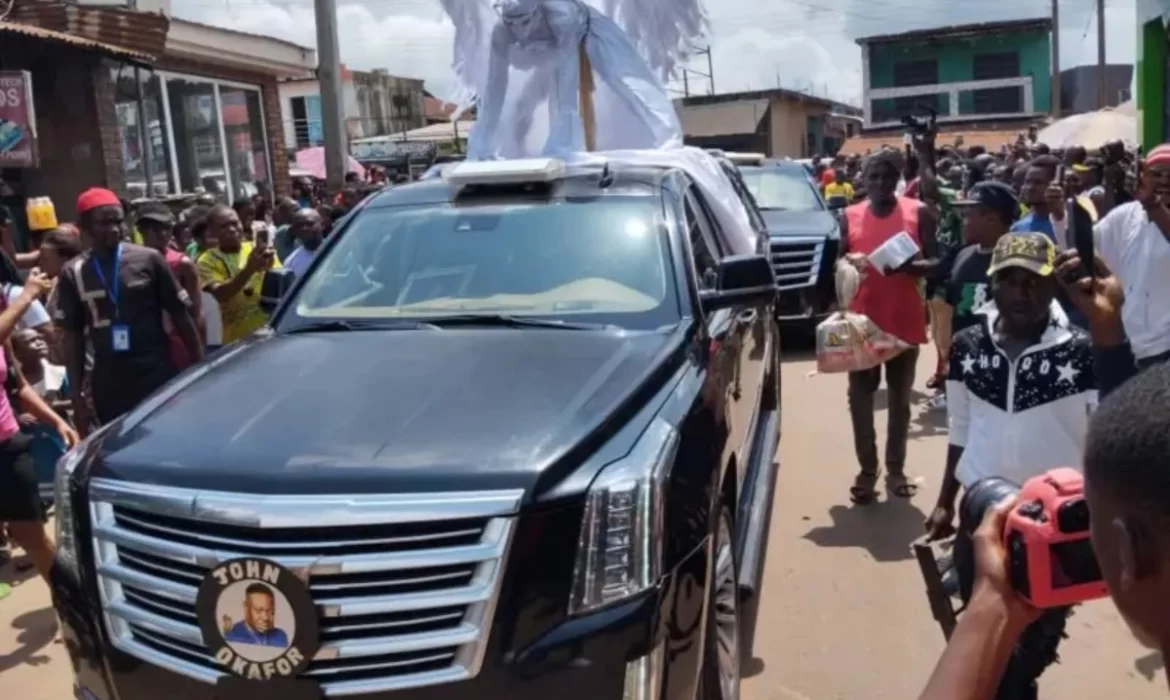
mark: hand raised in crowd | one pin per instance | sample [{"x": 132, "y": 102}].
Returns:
[
  {"x": 1054, "y": 197},
  {"x": 259, "y": 259},
  {"x": 1098, "y": 296},
  {"x": 37, "y": 284}
]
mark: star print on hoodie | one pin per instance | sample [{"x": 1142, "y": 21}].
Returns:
[{"x": 1019, "y": 419}]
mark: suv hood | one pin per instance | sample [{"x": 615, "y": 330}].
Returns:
[
  {"x": 385, "y": 411},
  {"x": 800, "y": 223}
]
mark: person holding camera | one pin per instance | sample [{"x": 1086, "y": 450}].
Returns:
[{"x": 1126, "y": 489}]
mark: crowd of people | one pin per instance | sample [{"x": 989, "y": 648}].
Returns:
[
  {"x": 100, "y": 313},
  {"x": 1028, "y": 335}
]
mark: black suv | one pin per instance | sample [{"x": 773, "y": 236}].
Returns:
[
  {"x": 513, "y": 435},
  {"x": 804, "y": 234}
]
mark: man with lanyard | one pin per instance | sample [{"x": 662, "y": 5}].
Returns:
[
  {"x": 115, "y": 294},
  {"x": 233, "y": 272}
]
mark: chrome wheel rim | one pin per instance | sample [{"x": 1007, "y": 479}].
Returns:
[{"x": 726, "y": 615}]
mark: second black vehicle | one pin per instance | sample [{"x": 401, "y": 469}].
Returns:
[{"x": 804, "y": 235}]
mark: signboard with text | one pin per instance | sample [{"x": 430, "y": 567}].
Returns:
[{"x": 18, "y": 121}]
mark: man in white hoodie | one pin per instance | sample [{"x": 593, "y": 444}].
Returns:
[{"x": 1020, "y": 382}]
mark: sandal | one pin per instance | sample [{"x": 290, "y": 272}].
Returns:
[
  {"x": 900, "y": 486},
  {"x": 863, "y": 492}
]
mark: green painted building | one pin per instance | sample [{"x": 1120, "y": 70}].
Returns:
[
  {"x": 1153, "y": 78},
  {"x": 989, "y": 71}
]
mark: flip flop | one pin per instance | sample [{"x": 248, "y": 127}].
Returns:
[
  {"x": 900, "y": 486},
  {"x": 863, "y": 492}
]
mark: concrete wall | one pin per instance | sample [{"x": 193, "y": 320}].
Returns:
[
  {"x": 789, "y": 125},
  {"x": 956, "y": 58}
]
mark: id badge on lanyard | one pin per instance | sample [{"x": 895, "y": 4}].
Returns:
[{"x": 119, "y": 332}]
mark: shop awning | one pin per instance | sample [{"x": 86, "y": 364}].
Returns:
[
  {"x": 77, "y": 42},
  {"x": 722, "y": 119}
]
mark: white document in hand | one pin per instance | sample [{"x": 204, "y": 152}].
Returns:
[{"x": 894, "y": 253}]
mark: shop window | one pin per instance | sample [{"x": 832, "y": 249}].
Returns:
[
  {"x": 992, "y": 66},
  {"x": 195, "y": 125},
  {"x": 138, "y": 132},
  {"x": 243, "y": 126}
]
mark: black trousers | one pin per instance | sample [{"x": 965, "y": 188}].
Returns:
[
  {"x": 1036, "y": 649},
  {"x": 899, "y": 385},
  {"x": 118, "y": 393}
]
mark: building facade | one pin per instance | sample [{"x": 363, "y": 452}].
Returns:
[
  {"x": 201, "y": 115},
  {"x": 1153, "y": 72},
  {"x": 778, "y": 123},
  {"x": 374, "y": 103},
  {"x": 984, "y": 72},
  {"x": 1078, "y": 88}
]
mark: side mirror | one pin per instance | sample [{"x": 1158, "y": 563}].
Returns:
[
  {"x": 838, "y": 201},
  {"x": 275, "y": 285},
  {"x": 743, "y": 280}
]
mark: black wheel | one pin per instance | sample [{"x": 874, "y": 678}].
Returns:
[{"x": 719, "y": 679}]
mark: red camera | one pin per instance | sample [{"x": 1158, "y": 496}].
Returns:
[{"x": 1050, "y": 559}]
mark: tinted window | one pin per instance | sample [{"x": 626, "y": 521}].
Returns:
[
  {"x": 774, "y": 188},
  {"x": 602, "y": 260}
]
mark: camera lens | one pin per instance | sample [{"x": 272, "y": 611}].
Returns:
[{"x": 982, "y": 495}]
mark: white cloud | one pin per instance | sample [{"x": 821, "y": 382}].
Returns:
[{"x": 799, "y": 44}]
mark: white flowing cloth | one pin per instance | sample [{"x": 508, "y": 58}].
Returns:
[
  {"x": 700, "y": 166},
  {"x": 536, "y": 61}
]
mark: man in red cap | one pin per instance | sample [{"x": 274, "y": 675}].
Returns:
[{"x": 116, "y": 294}]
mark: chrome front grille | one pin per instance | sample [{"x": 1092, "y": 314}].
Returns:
[
  {"x": 405, "y": 585},
  {"x": 797, "y": 261}
]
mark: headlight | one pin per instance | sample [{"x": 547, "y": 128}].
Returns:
[
  {"x": 63, "y": 504},
  {"x": 620, "y": 546}
]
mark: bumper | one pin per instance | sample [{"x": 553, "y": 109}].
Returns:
[{"x": 534, "y": 650}]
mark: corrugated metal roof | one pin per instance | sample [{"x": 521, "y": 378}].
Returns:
[
  {"x": 130, "y": 30},
  {"x": 77, "y": 42},
  {"x": 959, "y": 30}
]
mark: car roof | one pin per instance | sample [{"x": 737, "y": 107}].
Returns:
[
  {"x": 579, "y": 180},
  {"x": 782, "y": 165}
]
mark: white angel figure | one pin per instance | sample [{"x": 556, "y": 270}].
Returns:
[{"x": 600, "y": 74}]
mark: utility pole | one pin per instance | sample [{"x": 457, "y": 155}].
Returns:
[
  {"x": 1101, "y": 97},
  {"x": 329, "y": 78},
  {"x": 1056, "y": 59},
  {"x": 710, "y": 69}
]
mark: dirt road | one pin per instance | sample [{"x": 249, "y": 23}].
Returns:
[{"x": 844, "y": 615}]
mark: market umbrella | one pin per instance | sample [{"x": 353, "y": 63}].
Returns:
[
  {"x": 313, "y": 160},
  {"x": 1092, "y": 129}
]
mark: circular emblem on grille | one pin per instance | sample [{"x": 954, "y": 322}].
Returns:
[{"x": 258, "y": 619}]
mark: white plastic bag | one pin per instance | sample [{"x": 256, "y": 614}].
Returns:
[{"x": 849, "y": 342}]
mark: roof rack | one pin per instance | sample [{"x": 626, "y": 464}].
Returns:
[
  {"x": 746, "y": 158},
  {"x": 521, "y": 171}
]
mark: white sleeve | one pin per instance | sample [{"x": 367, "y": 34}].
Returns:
[
  {"x": 1108, "y": 230},
  {"x": 35, "y": 316},
  {"x": 958, "y": 412},
  {"x": 1060, "y": 233}
]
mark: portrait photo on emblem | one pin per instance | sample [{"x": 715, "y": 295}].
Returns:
[{"x": 256, "y": 620}]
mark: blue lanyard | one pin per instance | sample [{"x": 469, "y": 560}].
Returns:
[{"x": 111, "y": 291}]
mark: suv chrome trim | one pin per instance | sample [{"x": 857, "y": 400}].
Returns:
[
  {"x": 796, "y": 260},
  {"x": 406, "y": 584}
]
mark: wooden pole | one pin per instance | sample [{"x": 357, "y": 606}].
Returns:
[{"x": 586, "y": 88}]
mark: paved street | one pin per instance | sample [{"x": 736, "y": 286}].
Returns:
[{"x": 844, "y": 613}]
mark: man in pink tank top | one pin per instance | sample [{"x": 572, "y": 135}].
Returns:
[{"x": 893, "y": 300}]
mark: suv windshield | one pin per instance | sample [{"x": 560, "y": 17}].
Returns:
[
  {"x": 602, "y": 260},
  {"x": 775, "y": 188}
]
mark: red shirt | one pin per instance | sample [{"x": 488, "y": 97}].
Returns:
[
  {"x": 179, "y": 354},
  {"x": 828, "y": 177},
  {"x": 893, "y": 302}
]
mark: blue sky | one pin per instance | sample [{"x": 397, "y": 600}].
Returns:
[{"x": 800, "y": 44}]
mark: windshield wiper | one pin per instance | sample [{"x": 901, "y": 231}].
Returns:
[
  {"x": 339, "y": 326},
  {"x": 508, "y": 321}
]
